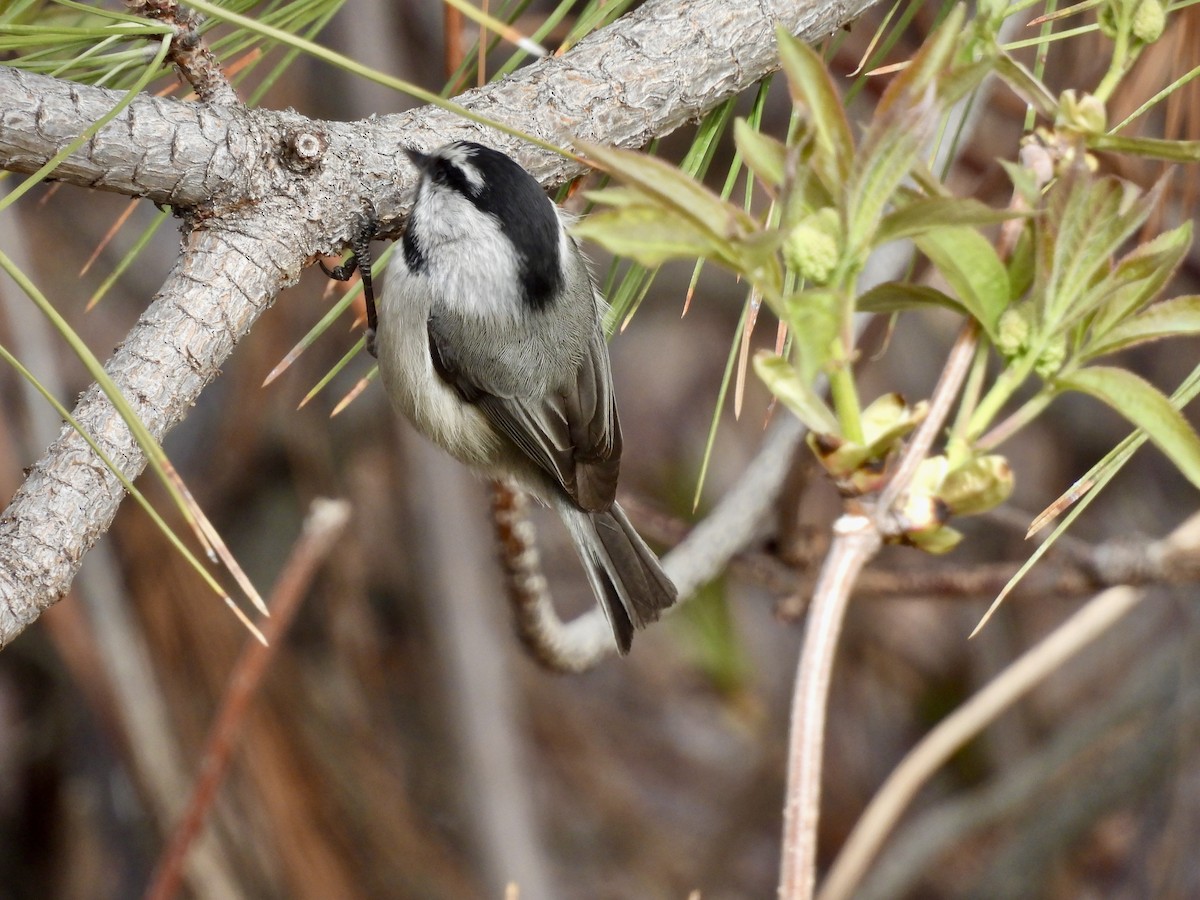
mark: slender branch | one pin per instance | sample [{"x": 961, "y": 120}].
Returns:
[
  {"x": 1026, "y": 413},
  {"x": 571, "y": 647},
  {"x": 958, "y": 364},
  {"x": 856, "y": 540},
  {"x": 1078, "y": 569}
]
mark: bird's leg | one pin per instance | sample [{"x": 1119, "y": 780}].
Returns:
[{"x": 360, "y": 247}]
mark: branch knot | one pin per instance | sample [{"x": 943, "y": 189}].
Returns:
[{"x": 303, "y": 148}]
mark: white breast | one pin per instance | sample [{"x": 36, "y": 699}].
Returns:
[
  {"x": 467, "y": 255},
  {"x": 415, "y": 389}
]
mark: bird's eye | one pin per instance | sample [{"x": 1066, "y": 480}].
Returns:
[{"x": 447, "y": 174}]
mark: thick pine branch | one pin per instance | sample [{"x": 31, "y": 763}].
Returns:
[{"x": 259, "y": 212}]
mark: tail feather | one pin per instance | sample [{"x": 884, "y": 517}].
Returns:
[{"x": 624, "y": 573}]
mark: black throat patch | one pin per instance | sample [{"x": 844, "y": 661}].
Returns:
[{"x": 414, "y": 256}]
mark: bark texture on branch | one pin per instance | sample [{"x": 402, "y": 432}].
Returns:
[{"x": 262, "y": 205}]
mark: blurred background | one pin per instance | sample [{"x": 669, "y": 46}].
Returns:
[{"x": 403, "y": 745}]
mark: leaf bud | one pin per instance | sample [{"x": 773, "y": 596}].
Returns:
[
  {"x": 977, "y": 486},
  {"x": 1084, "y": 113},
  {"x": 1051, "y": 358},
  {"x": 1012, "y": 332},
  {"x": 1149, "y": 20},
  {"x": 812, "y": 246}
]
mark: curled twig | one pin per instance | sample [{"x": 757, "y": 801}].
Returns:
[
  {"x": 574, "y": 646},
  {"x": 582, "y": 643}
]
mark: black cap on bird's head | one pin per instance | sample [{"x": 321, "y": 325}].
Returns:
[{"x": 499, "y": 187}]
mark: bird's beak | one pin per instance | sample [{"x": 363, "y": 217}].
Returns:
[{"x": 417, "y": 158}]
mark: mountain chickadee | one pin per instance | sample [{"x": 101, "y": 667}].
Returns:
[{"x": 490, "y": 341}]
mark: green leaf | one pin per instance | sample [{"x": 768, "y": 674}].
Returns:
[
  {"x": 618, "y": 196},
  {"x": 960, "y": 80},
  {"x": 1146, "y": 407},
  {"x": 674, "y": 190},
  {"x": 763, "y": 154},
  {"x": 627, "y": 295},
  {"x": 1176, "y": 317},
  {"x": 794, "y": 392},
  {"x": 647, "y": 234},
  {"x": 1088, "y": 225},
  {"x": 925, "y": 215},
  {"x": 896, "y": 296},
  {"x": 1080, "y": 212},
  {"x": 925, "y": 69},
  {"x": 888, "y": 154},
  {"x": 1140, "y": 275},
  {"x": 1021, "y": 266},
  {"x": 971, "y": 267},
  {"x": 1172, "y": 151},
  {"x": 807, "y": 192},
  {"x": 757, "y": 258},
  {"x": 1089, "y": 487},
  {"x": 905, "y": 119},
  {"x": 1026, "y": 85},
  {"x": 811, "y": 85}
]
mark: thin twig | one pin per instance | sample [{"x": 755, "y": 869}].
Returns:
[
  {"x": 948, "y": 387},
  {"x": 189, "y": 52},
  {"x": 856, "y": 540},
  {"x": 322, "y": 527},
  {"x": 1025, "y": 673}
]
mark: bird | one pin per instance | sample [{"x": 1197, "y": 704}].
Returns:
[{"x": 490, "y": 340}]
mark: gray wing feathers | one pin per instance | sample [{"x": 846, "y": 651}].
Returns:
[
  {"x": 567, "y": 423},
  {"x": 590, "y": 412}
]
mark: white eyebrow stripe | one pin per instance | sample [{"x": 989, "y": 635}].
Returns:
[{"x": 461, "y": 158}]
